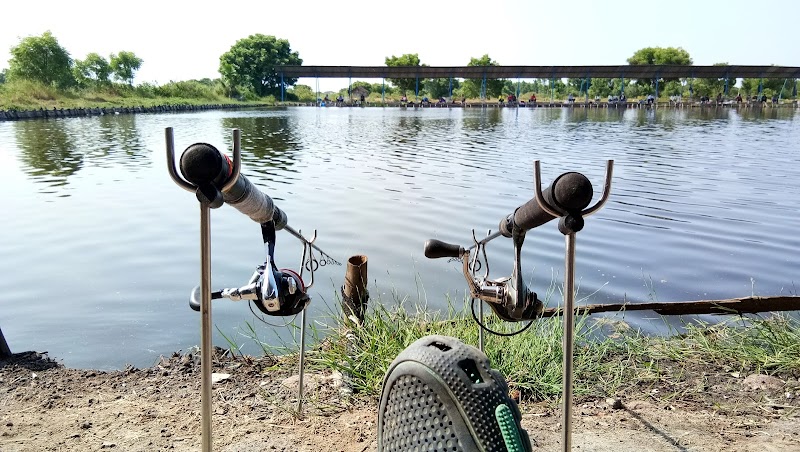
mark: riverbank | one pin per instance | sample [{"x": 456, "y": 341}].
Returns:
[
  {"x": 14, "y": 115},
  {"x": 30, "y": 100},
  {"x": 728, "y": 387}
]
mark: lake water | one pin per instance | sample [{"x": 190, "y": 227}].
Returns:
[{"x": 99, "y": 248}]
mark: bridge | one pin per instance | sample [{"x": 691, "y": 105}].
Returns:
[{"x": 646, "y": 72}]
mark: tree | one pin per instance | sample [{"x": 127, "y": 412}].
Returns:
[
  {"x": 440, "y": 87},
  {"x": 2, "y": 76},
  {"x": 251, "y": 63},
  {"x": 659, "y": 56},
  {"x": 579, "y": 86},
  {"x": 769, "y": 86},
  {"x": 94, "y": 70},
  {"x": 42, "y": 59},
  {"x": 408, "y": 59},
  {"x": 124, "y": 65},
  {"x": 472, "y": 87},
  {"x": 304, "y": 93},
  {"x": 711, "y": 86},
  {"x": 366, "y": 87}
]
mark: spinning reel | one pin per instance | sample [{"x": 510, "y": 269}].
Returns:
[
  {"x": 275, "y": 292},
  {"x": 509, "y": 297}
]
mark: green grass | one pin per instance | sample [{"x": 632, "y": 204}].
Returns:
[
  {"x": 29, "y": 95},
  {"x": 606, "y": 362}
]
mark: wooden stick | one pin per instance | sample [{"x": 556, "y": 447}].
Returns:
[
  {"x": 4, "y": 350},
  {"x": 748, "y": 305}
]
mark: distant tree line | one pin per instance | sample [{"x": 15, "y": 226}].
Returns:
[
  {"x": 249, "y": 70},
  {"x": 560, "y": 88}
]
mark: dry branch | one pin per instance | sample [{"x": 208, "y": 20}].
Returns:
[{"x": 748, "y": 305}]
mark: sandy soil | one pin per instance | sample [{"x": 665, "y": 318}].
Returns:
[{"x": 44, "y": 407}]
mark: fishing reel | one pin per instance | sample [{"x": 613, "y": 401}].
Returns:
[
  {"x": 275, "y": 292},
  {"x": 509, "y": 297}
]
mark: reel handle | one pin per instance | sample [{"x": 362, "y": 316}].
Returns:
[
  {"x": 194, "y": 298},
  {"x": 434, "y": 249}
]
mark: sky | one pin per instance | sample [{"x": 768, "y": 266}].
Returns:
[{"x": 180, "y": 40}]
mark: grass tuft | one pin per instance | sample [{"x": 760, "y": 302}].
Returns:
[{"x": 604, "y": 364}]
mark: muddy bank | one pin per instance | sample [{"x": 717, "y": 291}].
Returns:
[{"x": 45, "y": 406}]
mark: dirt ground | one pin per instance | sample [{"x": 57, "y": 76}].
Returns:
[{"x": 47, "y": 407}]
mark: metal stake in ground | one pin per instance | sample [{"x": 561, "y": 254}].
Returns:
[
  {"x": 569, "y": 225},
  {"x": 207, "y": 199}
]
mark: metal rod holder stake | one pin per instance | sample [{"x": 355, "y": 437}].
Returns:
[
  {"x": 568, "y": 344},
  {"x": 205, "y": 277}
]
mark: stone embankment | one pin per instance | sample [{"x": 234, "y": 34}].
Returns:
[{"x": 16, "y": 115}]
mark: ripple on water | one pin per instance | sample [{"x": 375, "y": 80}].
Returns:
[{"x": 101, "y": 247}]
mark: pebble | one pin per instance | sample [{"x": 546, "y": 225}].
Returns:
[
  {"x": 761, "y": 382},
  {"x": 218, "y": 377},
  {"x": 615, "y": 403}
]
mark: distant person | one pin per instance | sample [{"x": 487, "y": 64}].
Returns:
[
  {"x": 404, "y": 99},
  {"x": 500, "y": 100},
  {"x": 571, "y": 98},
  {"x": 775, "y": 99},
  {"x": 425, "y": 100},
  {"x": 738, "y": 98},
  {"x": 463, "y": 101},
  {"x": 650, "y": 99},
  {"x": 763, "y": 98},
  {"x": 719, "y": 98},
  {"x": 622, "y": 98},
  {"x": 362, "y": 99}
]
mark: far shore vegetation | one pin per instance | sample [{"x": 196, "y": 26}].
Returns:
[{"x": 43, "y": 75}]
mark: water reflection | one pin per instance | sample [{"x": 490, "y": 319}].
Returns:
[
  {"x": 407, "y": 127},
  {"x": 47, "y": 151},
  {"x": 487, "y": 120},
  {"x": 119, "y": 141},
  {"x": 265, "y": 136},
  {"x": 268, "y": 142}
]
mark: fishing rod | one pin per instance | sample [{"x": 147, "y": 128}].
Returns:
[
  {"x": 567, "y": 198},
  {"x": 216, "y": 180}
]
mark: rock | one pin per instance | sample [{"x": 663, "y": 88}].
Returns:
[
  {"x": 310, "y": 381},
  {"x": 762, "y": 382},
  {"x": 108, "y": 445},
  {"x": 639, "y": 405},
  {"x": 615, "y": 403},
  {"x": 218, "y": 377}
]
